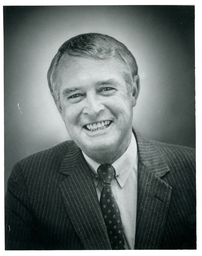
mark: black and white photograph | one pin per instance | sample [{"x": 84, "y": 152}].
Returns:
[{"x": 99, "y": 127}]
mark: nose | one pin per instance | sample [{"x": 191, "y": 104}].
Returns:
[{"x": 93, "y": 105}]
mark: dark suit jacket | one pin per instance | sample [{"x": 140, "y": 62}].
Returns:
[{"x": 51, "y": 202}]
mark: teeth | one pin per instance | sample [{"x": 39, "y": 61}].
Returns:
[{"x": 96, "y": 126}]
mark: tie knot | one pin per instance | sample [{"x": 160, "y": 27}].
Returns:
[{"x": 106, "y": 173}]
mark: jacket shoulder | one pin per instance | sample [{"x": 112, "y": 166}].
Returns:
[
  {"x": 154, "y": 152},
  {"x": 50, "y": 153},
  {"x": 181, "y": 162},
  {"x": 176, "y": 153},
  {"x": 48, "y": 159},
  {"x": 42, "y": 166}
]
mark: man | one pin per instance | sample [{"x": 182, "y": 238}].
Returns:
[{"x": 108, "y": 188}]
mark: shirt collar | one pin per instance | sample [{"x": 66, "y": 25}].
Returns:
[{"x": 123, "y": 165}]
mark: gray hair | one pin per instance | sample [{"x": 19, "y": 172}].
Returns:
[{"x": 91, "y": 45}]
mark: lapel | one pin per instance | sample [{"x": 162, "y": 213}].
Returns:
[
  {"x": 80, "y": 199},
  {"x": 154, "y": 195}
]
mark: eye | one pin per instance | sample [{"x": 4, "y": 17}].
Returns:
[
  {"x": 74, "y": 98},
  {"x": 107, "y": 90}
]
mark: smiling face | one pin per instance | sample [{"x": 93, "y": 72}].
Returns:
[{"x": 96, "y": 105}]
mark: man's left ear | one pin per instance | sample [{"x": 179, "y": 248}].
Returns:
[{"x": 135, "y": 89}]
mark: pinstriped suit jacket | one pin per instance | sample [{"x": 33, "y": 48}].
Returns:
[{"x": 51, "y": 202}]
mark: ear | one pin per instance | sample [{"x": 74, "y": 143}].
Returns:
[
  {"x": 58, "y": 104},
  {"x": 135, "y": 89},
  {"x": 59, "y": 107}
]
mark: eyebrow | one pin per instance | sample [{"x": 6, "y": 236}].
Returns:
[
  {"x": 111, "y": 81},
  {"x": 69, "y": 90}
]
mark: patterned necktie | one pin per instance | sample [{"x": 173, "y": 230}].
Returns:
[{"x": 110, "y": 208}]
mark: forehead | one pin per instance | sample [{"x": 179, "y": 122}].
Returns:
[{"x": 80, "y": 69}]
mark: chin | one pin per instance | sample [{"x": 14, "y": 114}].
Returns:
[{"x": 102, "y": 147}]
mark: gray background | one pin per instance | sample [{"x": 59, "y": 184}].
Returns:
[{"x": 160, "y": 37}]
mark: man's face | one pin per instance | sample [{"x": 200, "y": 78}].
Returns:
[{"x": 96, "y": 105}]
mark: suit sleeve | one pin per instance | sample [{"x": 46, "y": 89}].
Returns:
[{"x": 20, "y": 226}]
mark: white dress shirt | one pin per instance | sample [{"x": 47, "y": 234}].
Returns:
[{"x": 124, "y": 188}]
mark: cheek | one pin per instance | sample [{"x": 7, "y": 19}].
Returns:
[
  {"x": 70, "y": 114},
  {"x": 66, "y": 113},
  {"x": 121, "y": 107}
]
